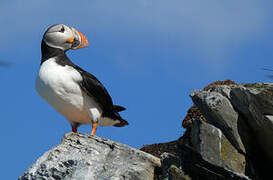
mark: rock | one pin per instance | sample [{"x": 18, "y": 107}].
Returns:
[
  {"x": 215, "y": 148},
  {"x": 177, "y": 174},
  {"x": 229, "y": 135},
  {"x": 193, "y": 164},
  {"x": 255, "y": 103},
  {"x": 171, "y": 169},
  {"x": 194, "y": 113},
  {"x": 188, "y": 164},
  {"x": 243, "y": 113},
  {"x": 158, "y": 149},
  {"x": 218, "y": 110},
  {"x": 86, "y": 157}
]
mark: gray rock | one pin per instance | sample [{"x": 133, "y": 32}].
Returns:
[
  {"x": 176, "y": 173},
  {"x": 222, "y": 89},
  {"x": 188, "y": 164},
  {"x": 244, "y": 114},
  {"x": 84, "y": 157},
  {"x": 206, "y": 139},
  {"x": 194, "y": 165},
  {"x": 214, "y": 147},
  {"x": 255, "y": 103},
  {"x": 218, "y": 110},
  {"x": 170, "y": 169}
]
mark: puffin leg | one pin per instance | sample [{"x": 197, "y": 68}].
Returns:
[
  {"x": 94, "y": 128},
  {"x": 74, "y": 127},
  {"x": 74, "y": 130}
]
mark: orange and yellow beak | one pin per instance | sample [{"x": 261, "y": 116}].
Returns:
[
  {"x": 84, "y": 41},
  {"x": 78, "y": 40}
]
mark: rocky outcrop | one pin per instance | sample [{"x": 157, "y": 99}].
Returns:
[
  {"x": 242, "y": 113},
  {"x": 187, "y": 164},
  {"x": 85, "y": 157},
  {"x": 229, "y": 135}
]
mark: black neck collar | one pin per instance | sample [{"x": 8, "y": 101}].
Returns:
[{"x": 49, "y": 52}]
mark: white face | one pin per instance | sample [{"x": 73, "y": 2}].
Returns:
[
  {"x": 64, "y": 37},
  {"x": 57, "y": 35}
]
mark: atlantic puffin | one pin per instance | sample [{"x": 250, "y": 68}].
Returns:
[{"x": 75, "y": 93}]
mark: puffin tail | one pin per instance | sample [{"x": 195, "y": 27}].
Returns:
[
  {"x": 122, "y": 122},
  {"x": 118, "y": 108},
  {"x": 113, "y": 117}
]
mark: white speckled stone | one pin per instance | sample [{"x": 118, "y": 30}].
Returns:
[{"x": 84, "y": 157}]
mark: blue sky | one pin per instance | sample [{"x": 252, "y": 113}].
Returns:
[{"x": 149, "y": 55}]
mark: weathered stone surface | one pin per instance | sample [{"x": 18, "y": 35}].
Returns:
[
  {"x": 196, "y": 167},
  {"x": 85, "y": 157},
  {"x": 170, "y": 169},
  {"x": 218, "y": 110},
  {"x": 176, "y": 173},
  {"x": 194, "y": 113},
  {"x": 244, "y": 114},
  {"x": 214, "y": 147},
  {"x": 187, "y": 163},
  {"x": 229, "y": 135},
  {"x": 255, "y": 103}
]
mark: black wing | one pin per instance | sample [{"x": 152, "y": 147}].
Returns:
[{"x": 94, "y": 88}]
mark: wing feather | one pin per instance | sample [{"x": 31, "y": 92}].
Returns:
[{"x": 94, "y": 88}]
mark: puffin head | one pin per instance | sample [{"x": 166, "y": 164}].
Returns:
[{"x": 64, "y": 37}]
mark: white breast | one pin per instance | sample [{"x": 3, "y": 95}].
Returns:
[{"x": 58, "y": 85}]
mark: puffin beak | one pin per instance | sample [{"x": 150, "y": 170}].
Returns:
[{"x": 78, "y": 41}]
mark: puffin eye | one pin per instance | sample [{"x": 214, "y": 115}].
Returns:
[{"x": 62, "y": 30}]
